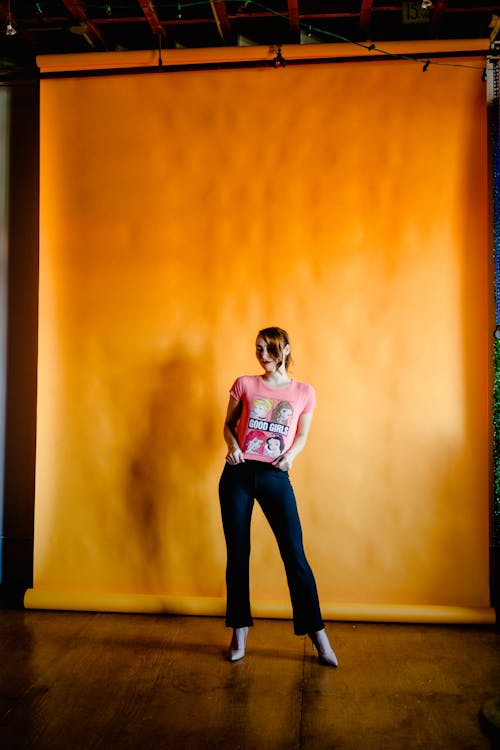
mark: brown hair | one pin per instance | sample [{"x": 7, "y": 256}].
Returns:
[{"x": 276, "y": 339}]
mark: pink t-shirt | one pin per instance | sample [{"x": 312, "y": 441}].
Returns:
[{"x": 269, "y": 416}]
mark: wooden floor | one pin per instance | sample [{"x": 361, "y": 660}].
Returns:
[{"x": 76, "y": 681}]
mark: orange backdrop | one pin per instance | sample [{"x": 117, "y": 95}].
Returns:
[{"x": 182, "y": 212}]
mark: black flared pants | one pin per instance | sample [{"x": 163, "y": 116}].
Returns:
[{"x": 239, "y": 486}]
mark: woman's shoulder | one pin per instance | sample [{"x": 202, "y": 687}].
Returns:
[
  {"x": 244, "y": 383},
  {"x": 305, "y": 393},
  {"x": 302, "y": 386},
  {"x": 247, "y": 379}
]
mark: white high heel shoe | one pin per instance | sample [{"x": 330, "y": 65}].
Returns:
[
  {"x": 326, "y": 655},
  {"x": 238, "y": 644}
]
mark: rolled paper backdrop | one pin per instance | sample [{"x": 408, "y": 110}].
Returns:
[
  {"x": 212, "y": 606},
  {"x": 182, "y": 212}
]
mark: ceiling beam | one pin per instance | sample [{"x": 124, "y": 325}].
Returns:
[
  {"x": 365, "y": 17},
  {"x": 78, "y": 13},
  {"x": 219, "y": 12},
  {"x": 151, "y": 16},
  {"x": 437, "y": 17},
  {"x": 293, "y": 14},
  {"x": 494, "y": 27}
]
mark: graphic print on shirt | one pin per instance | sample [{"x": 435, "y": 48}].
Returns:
[
  {"x": 274, "y": 446},
  {"x": 268, "y": 415},
  {"x": 261, "y": 407},
  {"x": 254, "y": 442}
]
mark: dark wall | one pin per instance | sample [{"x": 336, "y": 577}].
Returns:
[{"x": 19, "y": 142}]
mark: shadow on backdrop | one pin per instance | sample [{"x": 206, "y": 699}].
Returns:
[{"x": 173, "y": 458}]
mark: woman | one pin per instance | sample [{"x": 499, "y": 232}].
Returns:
[{"x": 257, "y": 474}]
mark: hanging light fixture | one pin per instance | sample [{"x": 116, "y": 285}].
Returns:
[
  {"x": 9, "y": 29},
  {"x": 427, "y": 4},
  {"x": 79, "y": 28}
]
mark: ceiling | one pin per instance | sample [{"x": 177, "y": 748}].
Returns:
[{"x": 80, "y": 26}]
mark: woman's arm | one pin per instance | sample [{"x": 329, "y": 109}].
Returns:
[
  {"x": 285, "y": 461},
  {"x": 234, "y": 453}
]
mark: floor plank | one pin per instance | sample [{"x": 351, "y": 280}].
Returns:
[
  {"x": 401, "y": 686},
  {"x": 84, "y": 681}
]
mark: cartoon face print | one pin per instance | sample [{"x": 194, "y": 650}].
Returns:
[
  {"x": 282, "y": 412},
  {"x": 260, "y": 408},
  {"x": 274, "y": 446},
  {"x": 254, "y": 442}
]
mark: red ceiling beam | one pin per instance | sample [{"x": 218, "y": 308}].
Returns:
[
  {"x": 293, "y": 14},
  {"x": 365, "y": 17},
  {"x": 89, "y": 30},
  {"x": 151, "y": 17},
  {"x": 219, "y": 12},
  {"x": 438, "y": 14}
]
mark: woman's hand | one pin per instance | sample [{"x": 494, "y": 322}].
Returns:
[
  {"x": 234, "y": 454},
  {"x": 235, "y": 457},
  {"x": 284, "y": 462}
]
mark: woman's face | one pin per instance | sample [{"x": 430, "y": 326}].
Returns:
[{"x": 265, "y": 358}]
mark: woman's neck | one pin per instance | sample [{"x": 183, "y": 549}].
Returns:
[{"x": 276, "y": 379}]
